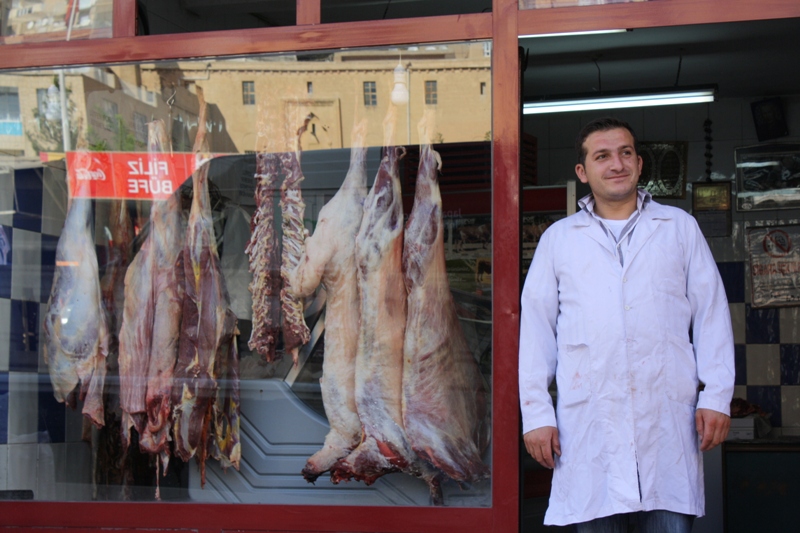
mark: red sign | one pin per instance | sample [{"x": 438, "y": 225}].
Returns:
[{"x": 129, "y": 175}]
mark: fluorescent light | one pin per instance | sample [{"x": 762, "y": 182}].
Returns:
[
  {"x": 692, "y": 96},
  {"x": 572, "y": 33}
]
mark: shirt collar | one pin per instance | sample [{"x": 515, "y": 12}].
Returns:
[{"x": 643, "y": 198}]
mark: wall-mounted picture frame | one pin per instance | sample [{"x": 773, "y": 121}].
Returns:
[
  {"x": 664, "y": 168},
  {"x": 768, "y": 177},
  {"x": 711, "y": 196},
  {"x": 712, "y": 206}
]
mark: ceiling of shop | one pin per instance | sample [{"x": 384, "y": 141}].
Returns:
[{"x": 745, "y": 60}]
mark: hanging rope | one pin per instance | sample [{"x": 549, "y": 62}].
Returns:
[{"x": 599, "y": 78}]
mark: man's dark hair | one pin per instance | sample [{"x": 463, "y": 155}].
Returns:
[{"x": 600, "y": 124}]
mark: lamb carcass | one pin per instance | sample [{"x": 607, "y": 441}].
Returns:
[
  {"x": 328, "y": 257},
  {"x": 168, "y": 286},
  {"x": 75, "y": 330},
  {"x": 208, "y": 325},
  {"x": 445, "y": 402},
  {"x": 384, "y": 446}
]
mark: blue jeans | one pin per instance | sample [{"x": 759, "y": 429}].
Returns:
[{"x": 641, "y": 522}]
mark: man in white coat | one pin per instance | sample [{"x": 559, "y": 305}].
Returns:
[{"x": 623, "y": 305}]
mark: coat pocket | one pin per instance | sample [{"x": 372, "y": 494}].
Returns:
[
  {"x": 681, "y": 369},
  {"x": 573, "y": 374}
]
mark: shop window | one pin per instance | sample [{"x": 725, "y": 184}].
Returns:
[
  {"x": 133, "y": 207},
  {"x": 249, "y": 93},
  {"x": 370, "y": 94},
  {"x": 431, "y": 93}
]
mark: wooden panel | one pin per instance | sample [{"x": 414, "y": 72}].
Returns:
[
  {"x": 254, "y": 41},
  {"x": 309, "y": 12},
  {"x": 652, "y": 14},
  {"x": 124, "y": 22},
  {"x": 506, "y": 117}
]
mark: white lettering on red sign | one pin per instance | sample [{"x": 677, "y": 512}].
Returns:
[
  {"x": 85, "y": 174},
  {"x": 154, "y": 168},
  {"x": 151, "y": 186}
]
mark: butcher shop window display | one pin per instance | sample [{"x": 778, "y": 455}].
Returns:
[{"x": 314, "y": 310}]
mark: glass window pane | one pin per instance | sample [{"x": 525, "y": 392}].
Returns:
[
  {"x": 52, "y": 20},
  {"x": 353, "y": 10},
  {"x": 212, "y": 222},
  {"x": 157, "y": 17}
]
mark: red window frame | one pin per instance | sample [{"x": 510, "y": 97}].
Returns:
[{"x": 503, "y": 26}]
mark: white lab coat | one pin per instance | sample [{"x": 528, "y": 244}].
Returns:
[{"x": 617, "y": 340}]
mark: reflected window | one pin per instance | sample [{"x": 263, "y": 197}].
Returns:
[
  {"x": 370, "y": 94},
  {"x": 9, "y": 111},
  {"x": 140, "y": 127},
  {"x": 110, "y": 112},
  {"x": 431, "y": 93},
  {"x": 249, "y": 93}
]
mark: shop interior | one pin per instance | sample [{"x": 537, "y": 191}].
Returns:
[{"x": 748, "y": 63}]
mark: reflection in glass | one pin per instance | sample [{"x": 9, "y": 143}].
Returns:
[
  {"x": 540, "y": 4},
  {"x": 48, "y": 20},
  {"x": 289, "y": 270}
]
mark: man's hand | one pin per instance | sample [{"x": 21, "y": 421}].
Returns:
[
  {"x": 542, "y": 443},
  {"x": 712, "y": 427}
]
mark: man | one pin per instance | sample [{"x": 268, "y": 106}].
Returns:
[{"x": 624, "y": 306}]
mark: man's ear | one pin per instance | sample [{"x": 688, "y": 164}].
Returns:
[{"x": 580, "y": 170}]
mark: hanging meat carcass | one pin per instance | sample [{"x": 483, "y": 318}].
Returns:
[
  {"x": 135, "y": 341},
  {"x": 112, "y": 284},
  {"x": 295, "y": 330},
  {"x": 329, "y": 258},
  {"x": 208, "y": 325},
  {"x": 264, "y": 253},
  {"x": 384, "y": 446},
  {"x": 445, "y": 402},
  {"x": 75, "y": 330},
  {"x": 168, "y": 286}
]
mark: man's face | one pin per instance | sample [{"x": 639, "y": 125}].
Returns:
[{"x": 612, "y": 167}]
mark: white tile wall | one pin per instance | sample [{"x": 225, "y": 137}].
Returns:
[
  {"x": 5, "y": 324},
  {"x": 659, "y": 125},
  {"x": 790, "y": 406},
  {"x": 738, "y": 322},
  {"x": 42, "y": 367},
  {"x": 54, "y": 202},
  {"x": 26, "y": 274},
  {"x": 763, "y": 364},
  {"x": 6, "y": 197},
  {"x": 740, "y": 391},
  {"x": 23, "y": 411},
  {"x": 78, "y": 471},
  {"x": 3, "y": 467},
  {"x": 790, "y": 325},
  {"x": 22, "y": 471}
]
